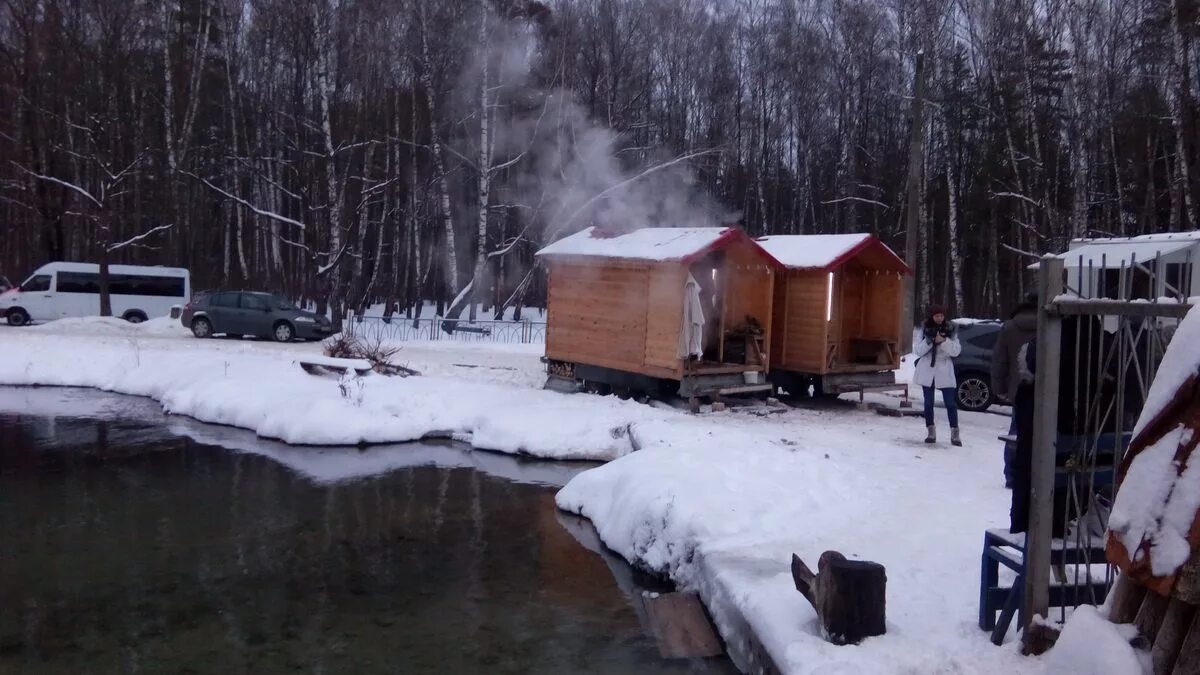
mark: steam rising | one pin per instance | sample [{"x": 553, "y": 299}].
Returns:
[{"x": 568, "y": 159}]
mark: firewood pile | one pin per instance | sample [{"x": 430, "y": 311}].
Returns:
[{"x": 1155, "y": 592}]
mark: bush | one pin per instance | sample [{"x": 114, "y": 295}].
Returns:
[{"x": 371, "y": 350}]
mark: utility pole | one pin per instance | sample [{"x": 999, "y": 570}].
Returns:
[{"x": 912, "y": 198}]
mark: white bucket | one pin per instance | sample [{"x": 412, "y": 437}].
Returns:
[{"x": 750, "y": 376}]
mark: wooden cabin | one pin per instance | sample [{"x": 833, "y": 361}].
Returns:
[
  {"x": 837, "y": 310},
  {"x": 616, "y": 311}
]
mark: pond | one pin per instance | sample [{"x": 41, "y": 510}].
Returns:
[{"x": 138, "y": 542}]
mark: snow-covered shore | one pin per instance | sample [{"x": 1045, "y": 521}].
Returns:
[
  {"x": 718, "y": 502},
  {"x": 485, "y": 397}
]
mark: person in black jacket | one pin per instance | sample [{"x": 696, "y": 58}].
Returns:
[
  {"x": 1020, "y": 328},
  {"x": 1083, "y": 346}
]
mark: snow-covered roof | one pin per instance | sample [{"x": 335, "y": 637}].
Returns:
[
  {"x": 1193, "y": 235},
  {"x": 656, "y": 244},
  {"x": 828, "y": 251},
  {"x": 94, "y": 268},
  {"x": 1155, "y": 508},
  {"x": 1116, "y": 253}
]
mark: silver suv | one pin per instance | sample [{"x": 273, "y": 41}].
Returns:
[{"x": 240, "y": 313}]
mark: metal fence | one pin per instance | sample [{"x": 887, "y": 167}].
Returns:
[
  {"x": 1098, "y": 350},
  {"x": 397, "y": 328}
]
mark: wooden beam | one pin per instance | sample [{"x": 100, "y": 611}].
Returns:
[
  {"x": 724, "y": 280},
  {"x": 1119, "y": 308},
  {"x": 768, "y": 321},
  {"x": 1045, "y": 433},
  {"x": 783, "y": 329},
  {"x": 1176, "y": 621},
  {"x": 1188, "y": 662},
  {"x": 681, "y": 626},
  {"x": 1150, "y": 616},
  {"x": 1126, "y": 598}
]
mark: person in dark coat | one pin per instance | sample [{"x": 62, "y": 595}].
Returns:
[
  {"x": 1082, "y": 346},
  {"x": 1020, "y": 328}
]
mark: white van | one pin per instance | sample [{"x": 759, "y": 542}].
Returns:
[{"x": 64, "y": 289}]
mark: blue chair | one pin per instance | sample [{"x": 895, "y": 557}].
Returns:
[{"x": 1001, "y": 547}]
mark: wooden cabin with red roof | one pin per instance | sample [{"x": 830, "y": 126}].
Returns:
[
  {"x": 837, "y": 310},
  {"x": 659, "y": 310}
]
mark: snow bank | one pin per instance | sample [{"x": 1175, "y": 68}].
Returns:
[
  {"x": 718, "y": 502},
  {"x": 1090, "y": 645},
  {"x": 721, "y": 507},
  {"x": 258, "y": 386},
  {"x": 111, "y": 326}
]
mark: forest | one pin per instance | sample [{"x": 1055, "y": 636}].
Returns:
[{"x": 352, "y": 152}]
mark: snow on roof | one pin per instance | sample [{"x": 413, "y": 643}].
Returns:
[
  {"x": 824, "y": 251},
  {"x": 1159, "y": 495},
  {"x": 658, "y": 244},
  {"x": 1122, "y": 253},
  {"x": 147, "y": 270},
  {"x": 1193, "y": 235}
]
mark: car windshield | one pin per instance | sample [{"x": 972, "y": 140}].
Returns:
[{"x": 281, "y": 302}]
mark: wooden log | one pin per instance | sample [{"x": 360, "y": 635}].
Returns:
[
  {"x": 1187, "y": 582},
  {"x": 1188, "y": 662},
  {"x": 1150, "y": 616},
  {"x": 1127, "y": 596},
  {"x": 1176, "y": 621},
  {"x": 848, "y": 595}
]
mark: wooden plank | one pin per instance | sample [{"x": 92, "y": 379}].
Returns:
[
  {"x": 1150, "y": 616},
  {"x": 1041, "y": 507},
  {"x": 681, "y": 625},
  {"x": 783, "y": 327},
  {"x": 1119, "y": 308},
  {"x": 1127, "y": 596},
  {"x": 724, "y": 311},
  {"x": 1188, "y": 661},
  {"x": 664, "y": 317},
  {"x": 1176, "y": 621},
  {"x": 605, "y": 361},
  {"x": 766, "y": 321}
]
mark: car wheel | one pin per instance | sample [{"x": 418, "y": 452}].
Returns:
[
  {"x": 17, "y": 317},
  {"x": 201, "y": 328},
  {"x": 283, "y": 332},
  {"x": 134, "y": 317},
  {"x": 974, "y": 392}
]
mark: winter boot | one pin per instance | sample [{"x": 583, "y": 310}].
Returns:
[
  {"x": 954, "y": 439},
  {"x": 931, "y": 436}
]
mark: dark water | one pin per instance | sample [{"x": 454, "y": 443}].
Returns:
[{"x": 133, "y": 542}]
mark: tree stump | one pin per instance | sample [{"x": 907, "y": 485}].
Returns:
[{"x": 849, "y": 596}]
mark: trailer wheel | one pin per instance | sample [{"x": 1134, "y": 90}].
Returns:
[{"x": 597, "y": 388}]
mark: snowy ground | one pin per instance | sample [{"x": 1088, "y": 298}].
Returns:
[{"x": 717, "y": 501}]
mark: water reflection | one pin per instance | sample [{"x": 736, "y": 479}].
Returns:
[{"x": 138, "y": 543}]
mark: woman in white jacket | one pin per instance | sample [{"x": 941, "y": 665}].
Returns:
[{"x": 935, "y": 370}]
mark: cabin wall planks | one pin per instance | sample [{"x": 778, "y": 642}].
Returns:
[{"x": 626, "y": 313}]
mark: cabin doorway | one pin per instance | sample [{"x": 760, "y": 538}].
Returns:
[{"x": 733, "y": 336}]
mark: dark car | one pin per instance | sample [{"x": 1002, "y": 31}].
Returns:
[
  {"x": 973, "y": 367},
  {"x": 239, "y": 313}
]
